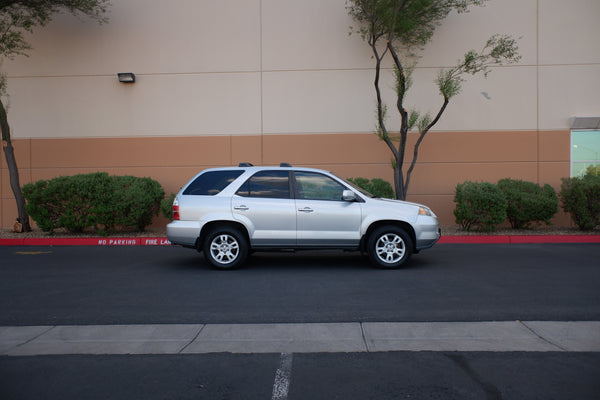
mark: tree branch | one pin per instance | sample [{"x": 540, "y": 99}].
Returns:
[{"x": 421, "y": 137}]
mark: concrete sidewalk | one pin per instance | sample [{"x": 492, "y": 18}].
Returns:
[{"x": 301, "y": 338}]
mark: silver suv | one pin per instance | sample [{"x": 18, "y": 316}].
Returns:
[{"x": 229, "y": 212}]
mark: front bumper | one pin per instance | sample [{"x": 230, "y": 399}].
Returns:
[{"x": 427, "y": 232}]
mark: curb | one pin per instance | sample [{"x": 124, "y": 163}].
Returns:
[
  {"x": 90, "y": 241},
  {"x": 349, "y": 337},
  {"x": 163, "y": 241},
  {"x": 520, "y": 239}
]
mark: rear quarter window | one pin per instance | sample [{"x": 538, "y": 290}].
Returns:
[{"x": 212, "y": 183}]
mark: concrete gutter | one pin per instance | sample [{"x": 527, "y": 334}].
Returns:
[{"x": 503, "y": 336}]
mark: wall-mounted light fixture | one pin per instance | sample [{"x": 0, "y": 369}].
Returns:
[{"x": 126, "y": 77}]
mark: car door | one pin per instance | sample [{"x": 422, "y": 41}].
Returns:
[
  {"x": 323, "y": 218},
  {"x": 264, "y": 204}
]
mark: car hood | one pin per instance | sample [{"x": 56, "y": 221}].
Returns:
[{"x": 392, "y": 202}]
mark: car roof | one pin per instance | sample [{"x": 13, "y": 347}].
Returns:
[{"x": 283, "y": 166}]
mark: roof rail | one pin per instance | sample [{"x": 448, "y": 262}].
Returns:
[
  {"x": 284, "y": 164},
  {"x": 245, "y": 164}
]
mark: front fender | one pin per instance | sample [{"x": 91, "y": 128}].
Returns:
[{"x": 376, "y": 219}]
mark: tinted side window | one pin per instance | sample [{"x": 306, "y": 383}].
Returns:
[
  {"x": 312, "y": 186},
  {"x": 212, "y": 183},
  {"x": 267, "y": 184}
]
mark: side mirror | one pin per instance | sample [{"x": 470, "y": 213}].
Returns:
[{"x": 348, "y": 195}]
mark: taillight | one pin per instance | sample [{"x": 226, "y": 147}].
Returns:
[{"x": 175, "y": 210}]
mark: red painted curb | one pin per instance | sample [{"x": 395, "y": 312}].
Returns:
[
  {"x": 97, "y": 241},
  {"x": 520, "y": 239},
  {"x": 163, "y": 241},
  {"x": 556, "y": 239},
  {"x": 500, "y": 239},
  {"x": 11, "y": 242}
]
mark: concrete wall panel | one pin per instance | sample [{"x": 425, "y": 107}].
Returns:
[
  {"x": 441, "y": 179},
  {"x": 555, "y": 146},
  {"x": 130, "y": 152},
  {"x": 568, "y": 91},
  {"x": 318, "y": 102},
  {"x": 173, "y": 161},
  {"x": 476, "y": 147},
  {"x": 157, "y": 105},
  {"x": 569, "y": 32},
  {"x": 505, "y": 100},
  {"x": 354, "y": 149},
  {"x": 175, "y": 36},
  {"x": 310, "y": 34},
  {"x": 460, "y": 33}
]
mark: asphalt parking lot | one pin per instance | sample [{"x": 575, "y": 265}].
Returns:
[
  {"x": 387, "y": 375},
  {"x": 462, "y": 321},
  {"x": 83, "y": 285}
]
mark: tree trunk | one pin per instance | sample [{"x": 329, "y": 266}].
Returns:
[
  {"x": 399, "y": 182},
  {"x": 13, "y": 171}
]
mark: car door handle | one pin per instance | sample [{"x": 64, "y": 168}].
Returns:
[
  {"x": 306, "y": 210},
  {"x": 241, "y": 208}
]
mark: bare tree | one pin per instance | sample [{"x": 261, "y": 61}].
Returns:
[
  {"x": 402, "y": 27},
  {"x": 18, "y": 17}
]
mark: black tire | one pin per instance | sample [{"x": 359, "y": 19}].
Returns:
[
  {"x": 389, "y": 247},
  {"x": 225, "y": 248}
]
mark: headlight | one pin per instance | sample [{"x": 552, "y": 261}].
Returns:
[{"x": 425, "y": 211}]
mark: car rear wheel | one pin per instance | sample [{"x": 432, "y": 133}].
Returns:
[
  {"x": 389, "y": 247},
  {"x": 225, "y": 248}
]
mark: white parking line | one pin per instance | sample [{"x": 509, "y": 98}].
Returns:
[{"x": 281, "y": 385}]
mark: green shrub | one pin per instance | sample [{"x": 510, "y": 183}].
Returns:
[
  {"x": 166, "y": 206},
  {"x": 376, "y": 186},
  {"x": 134, "y": 202},
  {"x": 593, "y": 170},
  {"x": 581, "y": 198},
  {"x": 94, "y": 200},
  {"x": 479, "y": 206},
  {"x": 528, "y": 202},
  {"x": 66, "y": 202}
]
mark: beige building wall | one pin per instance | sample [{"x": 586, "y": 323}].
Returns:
[{"x": 265, "y": 81}]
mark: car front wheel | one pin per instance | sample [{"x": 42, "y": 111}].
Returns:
[
  {"x": 225, "y": 248},
  {"x": 389, "y": 247}
]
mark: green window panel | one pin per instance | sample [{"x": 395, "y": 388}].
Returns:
[{"x": 585, "y": 150}]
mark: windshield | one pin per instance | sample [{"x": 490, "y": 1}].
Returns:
[{"x": 361, "y": 190}]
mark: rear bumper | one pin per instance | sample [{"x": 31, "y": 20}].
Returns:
[{"x": 184, "y": 233}]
